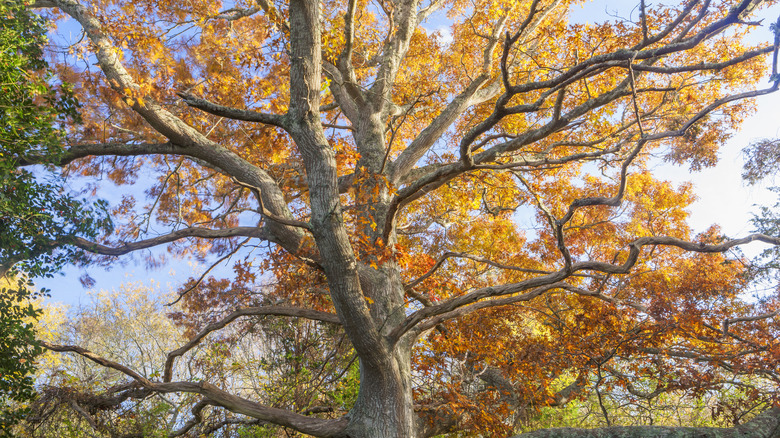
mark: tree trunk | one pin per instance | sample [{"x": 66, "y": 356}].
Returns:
[
  {"x": 384, "y": 407},
  {"x": 765, "y": 425}
]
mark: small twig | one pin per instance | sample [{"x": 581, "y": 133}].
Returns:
[
  {"x": 203, "y": 276},
  {"x": 633, "y": 98}
]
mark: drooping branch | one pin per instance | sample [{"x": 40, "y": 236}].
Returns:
[
  {"x": 301, "y": 423},
  {"x": 218, "y": 397},
  {"x": 297, "y": 312},
  {"x": 146, "y": 383}
]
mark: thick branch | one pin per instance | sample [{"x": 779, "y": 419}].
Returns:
[
  {"x": 302, "y": 423},
  {"x": 98, "y": 360},
  {"x": 393, "y": 52},
  {"x": 218, "y": 397},
  {"x": 336, "y": 254},
  {"x": 412, "y": 153}
]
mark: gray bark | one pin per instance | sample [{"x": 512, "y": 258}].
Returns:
[{"x": 765, "y": 425}]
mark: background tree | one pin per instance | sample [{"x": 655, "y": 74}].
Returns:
[
  {"x": 291, "y": 368},
  {"x": 478, "y": 216}
]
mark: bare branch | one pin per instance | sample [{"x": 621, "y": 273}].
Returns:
[
  {"x": 146, "y": 383},
  {"x": 206, "y": 272},
  {"x": 730, "y": 321},
  {"x": 298, "y": 312}
]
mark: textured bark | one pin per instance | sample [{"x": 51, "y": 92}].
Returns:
[{"x": 765, "y": 425}]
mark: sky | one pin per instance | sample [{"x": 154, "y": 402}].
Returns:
[{"x": 723, "y": 198}]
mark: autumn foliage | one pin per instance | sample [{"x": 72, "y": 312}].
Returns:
[{"x": 469, "y": 213}]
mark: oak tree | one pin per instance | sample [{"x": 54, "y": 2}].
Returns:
[{"x": 474, "y": 211}]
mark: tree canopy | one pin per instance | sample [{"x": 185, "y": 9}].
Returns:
[{"x": 433, "y": 232}]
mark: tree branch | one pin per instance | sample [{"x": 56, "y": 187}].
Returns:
[
  {"x": 730, "y": 321},
  {"x": 218, "y": 397},
  {"x": 429, "y": 317},
  {"x": 234, "y": 113},
  {"x": 146, "y": 383},
  {"x": 450, "y": 254},
  {"x": 298, "y": 312},
  {"x": 301, "y": 423},
  {"x": 77, "y": 151},
  {"x": 203, "y": 233}
]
